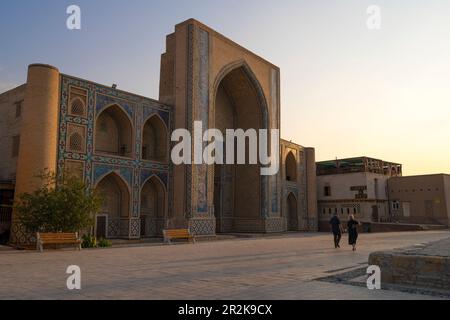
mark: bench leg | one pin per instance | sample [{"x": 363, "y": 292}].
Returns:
[{"x": 41, "y": 247}]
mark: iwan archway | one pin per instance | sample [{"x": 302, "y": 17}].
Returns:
[
  {"x": 239, "y": 189},
  {"x": 212, "y": 80}
]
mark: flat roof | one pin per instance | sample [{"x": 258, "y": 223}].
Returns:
[
  {"x": 352, "y": 161},
  {"x": 425, "y": 175}
]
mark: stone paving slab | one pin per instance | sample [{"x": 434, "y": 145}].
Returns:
[{"x": 272, "y": 268}]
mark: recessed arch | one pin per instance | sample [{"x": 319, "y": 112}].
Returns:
[
  {"x": 115, "y": 173},
  {"x": 155, "y": 139},
  {"x": 291, "y": 167},
  {"x": 116, "y": 202},
  {"x": 238, "y": 102},
  {"x": 291, "y": 212},
  {"x": 243, "y": 65},
  {"x": 114, "y": 132},
  {"x": 153, "y": 207}
]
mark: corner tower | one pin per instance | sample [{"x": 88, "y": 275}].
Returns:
[{"x": 38, "y": 136}]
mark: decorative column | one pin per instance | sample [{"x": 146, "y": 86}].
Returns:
[{"x": 202, "y": 220}]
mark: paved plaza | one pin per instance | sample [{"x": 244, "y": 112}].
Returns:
[{"x": 281, "y": 267}]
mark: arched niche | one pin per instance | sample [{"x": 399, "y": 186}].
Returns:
[
  {"x": 114, "y": 132},
  {"x": 154, "y": 140}
]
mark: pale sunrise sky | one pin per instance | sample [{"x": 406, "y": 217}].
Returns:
[{"x": 346, "y": 90}]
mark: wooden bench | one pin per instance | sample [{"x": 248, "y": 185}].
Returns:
[
  {"x": 178, "y": 234},
  {"x": 57, "y": 238}
]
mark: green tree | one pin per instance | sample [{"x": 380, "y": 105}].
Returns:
[{"x": 63, "y": 204}]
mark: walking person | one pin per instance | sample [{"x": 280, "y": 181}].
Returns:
[
  {"x": 352, "y": 228},
  {"x": 336, "y": 228}
]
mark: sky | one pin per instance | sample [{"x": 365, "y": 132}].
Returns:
[{"x": 346, "y": 90}]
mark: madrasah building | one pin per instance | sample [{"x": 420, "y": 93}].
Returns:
[{"x": 120, "y": 144}]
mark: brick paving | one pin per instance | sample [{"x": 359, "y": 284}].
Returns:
[{"x": 282, "y": 267}]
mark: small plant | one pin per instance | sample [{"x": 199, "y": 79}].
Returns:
[
  {"x": 89, "y": 242},
  {"x": 104, "y": 243}
]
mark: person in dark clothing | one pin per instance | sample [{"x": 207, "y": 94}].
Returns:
[
  {"x": 336, "y": 228},
  {"x": 352, "y": 227}
]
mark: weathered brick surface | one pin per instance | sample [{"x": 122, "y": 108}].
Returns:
[{"x": 426, "y": 266}]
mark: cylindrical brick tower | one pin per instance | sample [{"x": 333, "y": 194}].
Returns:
[{"x": 38, "y": 137}]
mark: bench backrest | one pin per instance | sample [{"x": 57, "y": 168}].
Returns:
[
  {"x": 58, "y": 236},
  {"x": 174, "y": 233}
]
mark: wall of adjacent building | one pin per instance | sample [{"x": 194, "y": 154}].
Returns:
[
  {"x": 447, "y": 196},
  {"x": 302, "y": 187},
  {"x": 345, "y": 201},
  {"x": 10, "y": 121},
  {"x": 427, "y": 196}
]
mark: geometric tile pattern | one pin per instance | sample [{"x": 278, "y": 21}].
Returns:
[
  {"x": 202, "y": 226},
  {"x": 133, "y": 169},
  {"x": 113, "y": 228}
]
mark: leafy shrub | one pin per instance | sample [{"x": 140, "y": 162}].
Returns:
[
  {"x": 89, "y": 241},
  {"x": 104, "y": 243},
  {"x": 61, "y": 204}
]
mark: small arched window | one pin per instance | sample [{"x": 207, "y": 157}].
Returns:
[{"x": 77, "y": 107}]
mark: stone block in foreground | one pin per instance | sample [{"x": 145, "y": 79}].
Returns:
[{"x": 425, "y": 266}]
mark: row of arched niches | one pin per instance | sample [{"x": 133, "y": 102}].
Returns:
[
  {"x": 115, "y": 132},
  {"x": 122, "y": 128}
]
